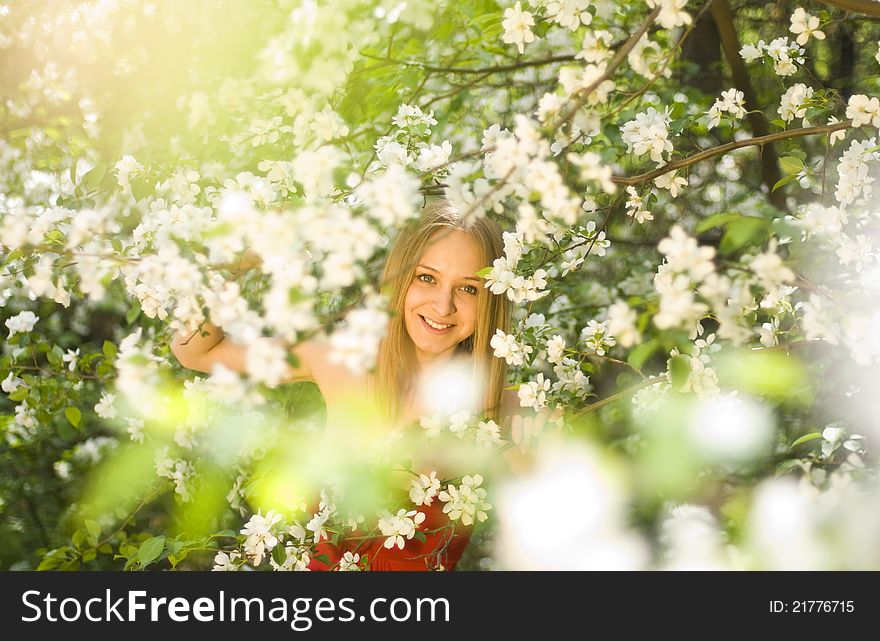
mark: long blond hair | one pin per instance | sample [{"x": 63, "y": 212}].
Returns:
[{"x": 396, "y": 363}]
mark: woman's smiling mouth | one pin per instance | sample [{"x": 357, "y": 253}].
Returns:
[{"x": 435, "y": 328}]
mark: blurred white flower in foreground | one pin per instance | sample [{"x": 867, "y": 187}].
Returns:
[
  {"x": 731, "y": 429},
  {"x": 449, "y": 387},
  {"x": 691, "y": 539},
  {"x": 572, "y": 487}
]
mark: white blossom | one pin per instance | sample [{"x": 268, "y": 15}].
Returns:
[
  {"x": 570, "y": 14},
  {"x": 857, "y": 251},
  {"x": 793, "y": 103},
  {"x": 432, "y": 156},
  {"x": 224, "y": 562},
  {"x": 596, "y": 46},
  {"x": 804, "y": 25},
  {"x": 105, "y": 408},
  {"x": 411, "y": 117},
  {"x": 683, "y": 255},
  {"x": 266, "y": 362},
  {"x": 863, "y": 110},
  {"x": 400, "y": 526},
  {"x": 506, "y": 346},
  {"x": 555, "y": 349},
  {"x": 432, "y": 425},
  {"x": 350, "y": 562},
  {"x": 621, "y": 324},
  {"x": 648, "y": 134},
  {"x": 534, "y": 393},
  {"x": 671, "y": 181},
  {"x": 731, "y": 102},
  {"x": 635, "y": 206},
  {"x": 592, "y": 169},
  {"x": 125, "y": 169},
  {"x": 260, "y": 536},
  {"x": 11, "y": 383},
  {"x": 671, "y": 13},
  {"x": 467, "y": 501},
  {"x": 853, "y": 172},
  {"x": 517, "y": 26},
  {"x": 423, "y": 489},
  {"x": 356, "y": 344},
  {"x": 488, "y": 434},
  {"x": 596, "y": 337},
  {"x": 21, "y": 323}
]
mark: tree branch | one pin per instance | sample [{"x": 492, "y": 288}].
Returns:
[
  {"x": 723, "y": 149},
  {"x": 865, "y": 7}
]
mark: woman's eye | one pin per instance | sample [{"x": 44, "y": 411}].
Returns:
[
  {"x": 425, "y": 278},
  {"x": 470, "y": 289}
]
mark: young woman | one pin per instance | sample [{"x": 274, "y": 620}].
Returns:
[{"x": 441, "y": 315}]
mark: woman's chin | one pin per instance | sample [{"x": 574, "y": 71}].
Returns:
[{"x": 434, "y": 350}]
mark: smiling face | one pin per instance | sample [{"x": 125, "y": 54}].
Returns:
[{"x": 440, "y": 308}]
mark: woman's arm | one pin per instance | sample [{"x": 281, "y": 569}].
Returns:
[
  {"x": 200, "y": 353},
  {"x": 199, "y": 350},
  {"x": 208, "y": 345}
]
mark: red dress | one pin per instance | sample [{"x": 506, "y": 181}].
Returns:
[{"x": 441, "y": 550}]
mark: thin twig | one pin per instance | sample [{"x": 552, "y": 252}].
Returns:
[
  {"x": 476, "y": 70},
  {"x": 583, "y": 95}
]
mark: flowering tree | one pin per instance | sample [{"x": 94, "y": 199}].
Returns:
[{"x": 686, "y": 189}]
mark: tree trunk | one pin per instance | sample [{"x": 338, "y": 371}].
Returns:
[{"x": 770, "y": 174}]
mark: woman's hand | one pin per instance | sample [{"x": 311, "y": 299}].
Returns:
[
  {"x": 526, "y": 429},
  {"x": 248, "y": 261}
]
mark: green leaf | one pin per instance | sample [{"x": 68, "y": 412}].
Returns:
[
  {"x": 717, "y": 220},
  {"x": 174, "y": 559},
  {"x": 20, "y": 394},
  {"x": 741, "y": 232},
  {"x": 791, "y": 164},
  {"x": 93, "y": 527},
  {"x": 54, "y": 558},
  {"x": 419, "y": 536},
  {"x": 484, "y": 272},
  {"x": 807, "y": 437},
  {"x": 66, "y": 432},
  {"x": 132, "y": 314},
  {"x": 94, "y": 530},
  {"x": 54, "y": 356},
  {"x": 94, "y": 176},
  {"x": 73, "y": 415},
  {"x": 787, "y": 466},
  {"x": 679, "y": 370},
  {"x": 279, "y": 554},
  {"x": 641, "y": 353},
  {"x": 783, "y": 181},
  {"x": 150, "y": 550},
  {"x": 109, "y": 350},
  {"x": 141, "y": 188},
  {"x": 15, "y": 254},
  {"x": 73, "y": 170}
]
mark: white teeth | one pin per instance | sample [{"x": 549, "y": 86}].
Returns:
[{"x": 435, "y": 325}]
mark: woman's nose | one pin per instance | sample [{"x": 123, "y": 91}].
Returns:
[{"x": 444, "y": 303}]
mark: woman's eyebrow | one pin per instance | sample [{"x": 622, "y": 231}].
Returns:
[{"x": 473, "y": 278}]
